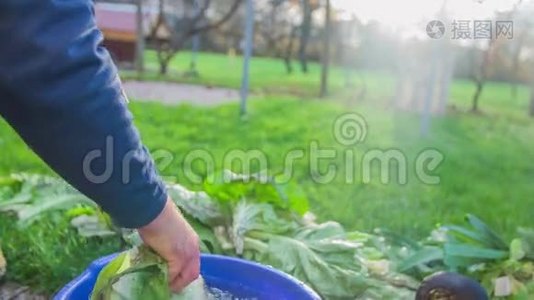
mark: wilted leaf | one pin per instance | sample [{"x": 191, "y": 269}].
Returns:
[
  {"x": 197, "y": 204},
  {"x": 208, "y": 241},
  {"x": 34, "y": 195},
  {"x": 90, "y": 226},
  {"x": 321, "y": 256},
  {"x": 259, "y": 216},
  {"x": 16, "y": 203},
  {"x": 295, "y": 257},
  {"x": 56, "y": 202}
]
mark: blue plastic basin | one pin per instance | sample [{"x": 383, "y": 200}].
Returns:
[{"x": 241, "y": 278}]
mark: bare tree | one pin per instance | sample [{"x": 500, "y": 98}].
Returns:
[
  {"x": 481, "y": 73},
  {"x": 272, "y": 25},
  {"x": 140, "y": 42},
  {"x": 516, "y": 61},
  {"x": 520, "y": 67},
  {"x": 326, "y": 51},
  {"x": 180, "y": 29},
  {"x": 305, "y": 33},
  {"x": 288, "y": 53},
  {"x": 278, "y": 27},
  {"x": 308, "y": 7}
]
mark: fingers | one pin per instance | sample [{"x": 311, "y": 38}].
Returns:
[
  {"x": 190, "y": 262},
  {"x": 175, "y": 269},
  {"x": 187, "y": 275},
  {"x": 173, "y": 239}
]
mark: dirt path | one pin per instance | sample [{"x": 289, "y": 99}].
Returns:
[{"x": 176, "y": 93}]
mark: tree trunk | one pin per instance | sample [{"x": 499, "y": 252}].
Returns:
[
  {"x": 287, "y": 63},
  {"x": 247, "y": 54},
  {"x": 140, "y": 42},
  {"x": 305, "y": 31},
  {"x": 326, "y": 53},
  {"x": 476, "y": 96},
  {"x": 482, "y": 75},
  {"x": 289, "y": 49},
  {"x": 180, "y": 34},
  {"x": 164, "y": 60},
  {"x": 513, "y": 90},
  {"x": 162, "y": 67},
  {"x": 516, "y": 62}
]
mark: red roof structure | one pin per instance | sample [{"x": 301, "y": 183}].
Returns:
[
  {"x": 118, "y": 23},
  {"x": 116, "y": 17}
]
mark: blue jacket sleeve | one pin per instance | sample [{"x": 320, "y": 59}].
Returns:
[{"x": 60, "y": 91}]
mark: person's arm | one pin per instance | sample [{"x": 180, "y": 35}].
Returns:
[{"x": 60, "y": 91}]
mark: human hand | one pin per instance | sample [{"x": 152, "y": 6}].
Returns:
[{"x": 173, "y": 239}]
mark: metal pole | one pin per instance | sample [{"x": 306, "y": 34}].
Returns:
[
  {"x": 194, "y": 55},
  {"x": 247, "y": 53}
]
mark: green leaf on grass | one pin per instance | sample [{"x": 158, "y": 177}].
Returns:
[
  {"x": 423, "y": 256},
  {"x": 465, "y": 235},
  {"x": 496, "y": 241},
  {"x": 463, "y": 250}
]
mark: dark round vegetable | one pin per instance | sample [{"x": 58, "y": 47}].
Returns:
[{"x": 450, "y": 286}]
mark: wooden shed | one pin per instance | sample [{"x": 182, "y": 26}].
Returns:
[{"x": 117, "y": 21}]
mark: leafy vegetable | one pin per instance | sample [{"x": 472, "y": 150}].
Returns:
[
  {"x": 253, "y": 227},
  {"x": 254, "y": 217},
  {"x": 30, "y": 196},
  {"x": 229, "y": 187},
  {"x": 488, "y": 234},
  {"x": 91, "y": 226},
  {"x": 140, "y": 274},
  {"x": 423, "y": 256},
  {"x": 478, "y": 251},
  {"x": 322, "y": 255},
  {"x": 242, "y": 215}
]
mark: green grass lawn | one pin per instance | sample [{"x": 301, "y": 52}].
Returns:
[
  {"x": 488, "y": 168},
  {"x": 267, "y": 75}
]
